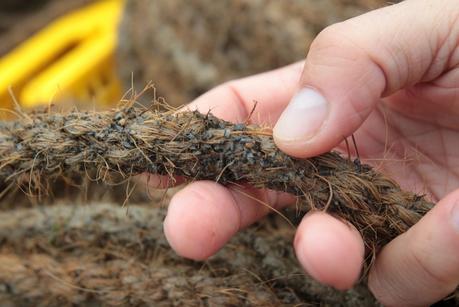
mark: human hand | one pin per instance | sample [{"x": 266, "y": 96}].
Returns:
[{"x": 391, "y": 78}]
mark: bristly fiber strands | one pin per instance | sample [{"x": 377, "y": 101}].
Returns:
[{"x": 39, "y": 148}]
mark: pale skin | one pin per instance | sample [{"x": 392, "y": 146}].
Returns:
[{"x": 391, "y": 78}]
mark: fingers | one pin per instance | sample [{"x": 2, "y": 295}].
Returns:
[
  {"x": 351, "y": 65},
  {"x": 329, "y": 250},
  {"x": 203, "y": 216},
  {"x": 424, "y": 260},
  {"x": 234, "y": 100}
]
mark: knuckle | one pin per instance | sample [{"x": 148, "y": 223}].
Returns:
[
  {"x": 385, "y": 292},
  {"x": 331, "y": 37},
  {"x": 429, "y": 273},
  {"x": 336, "y": 46}
]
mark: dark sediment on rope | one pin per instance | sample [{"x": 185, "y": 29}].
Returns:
[{"x": 42, "y": 147}]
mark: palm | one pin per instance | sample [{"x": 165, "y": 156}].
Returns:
[{"x": 414, "y": 137}]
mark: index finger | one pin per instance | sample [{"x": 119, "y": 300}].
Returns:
[{"x": 234, "y": 101}]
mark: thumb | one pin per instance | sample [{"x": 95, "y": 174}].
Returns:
[
  {"x": 351, "y": 65},
  {"x": 421, "y": 266}
]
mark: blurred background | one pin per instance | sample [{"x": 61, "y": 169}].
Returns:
[{"x": 90, "y": 53}]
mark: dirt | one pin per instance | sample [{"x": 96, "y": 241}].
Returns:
[
  {"x": 104, "y": 255},
  {"x": 188, "y": 49},
  {"x": 114, "y": 146}
]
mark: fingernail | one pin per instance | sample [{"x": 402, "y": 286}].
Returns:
[
  {"x": 303, "y": 117},
  {"x": 455, "y": 215}
]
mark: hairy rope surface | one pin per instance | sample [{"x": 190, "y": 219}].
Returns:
[
  {"x": 101, "y": 255},
  {"x": 42, "y": 147}
]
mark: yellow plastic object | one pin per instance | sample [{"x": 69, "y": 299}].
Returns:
[{"x": 71, "y": 59}]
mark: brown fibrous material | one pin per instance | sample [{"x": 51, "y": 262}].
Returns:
[
  {"x": 105, "y": 255},
  {"x": 42, "y": 147}
]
